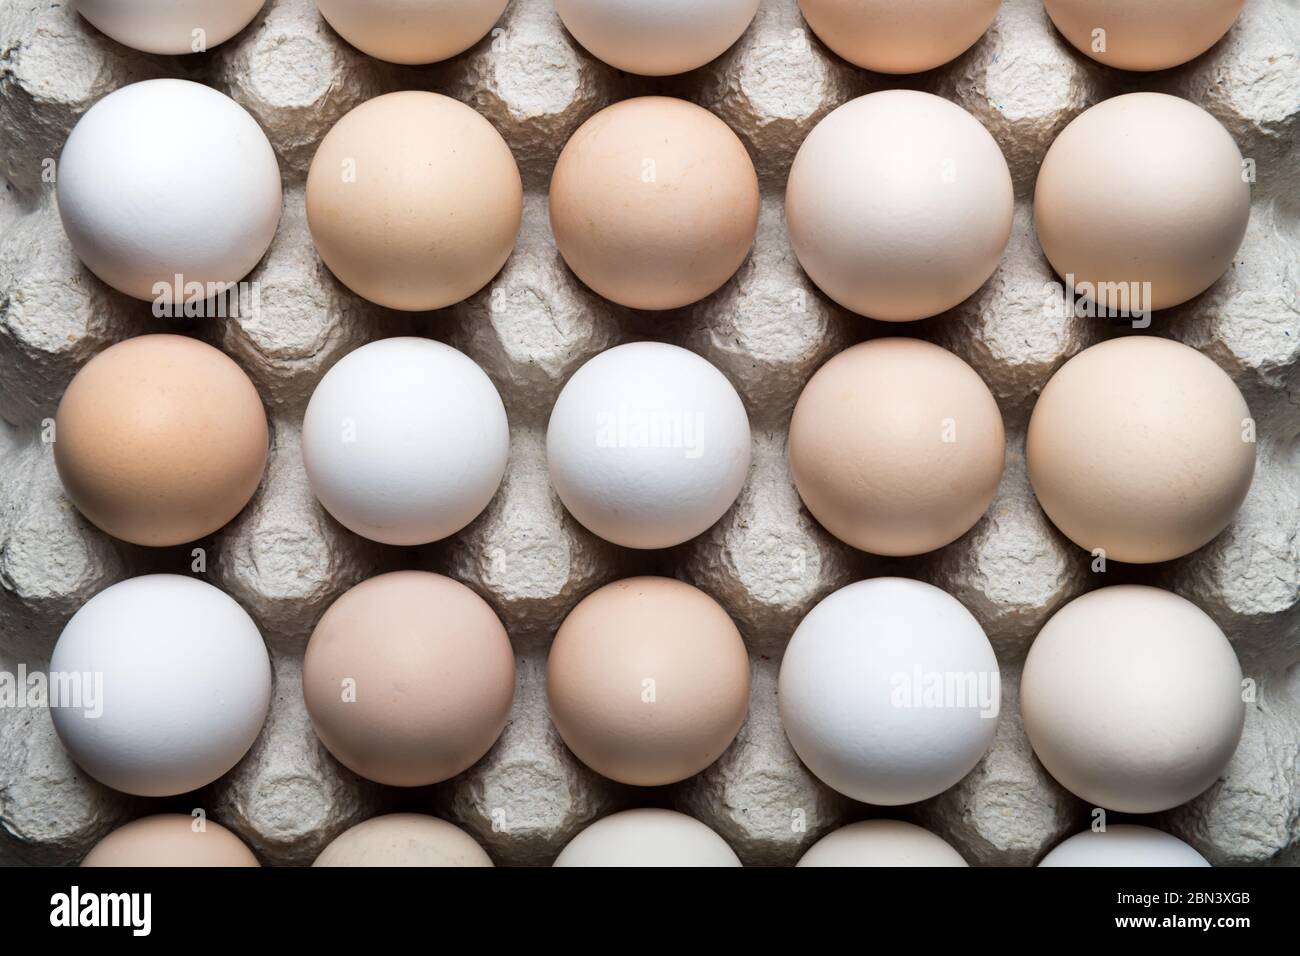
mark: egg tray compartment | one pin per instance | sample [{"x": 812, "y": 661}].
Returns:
[{"x": 767, "y": 561}]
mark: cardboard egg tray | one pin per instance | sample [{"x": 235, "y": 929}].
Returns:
[{"x": 767, "y": 561}]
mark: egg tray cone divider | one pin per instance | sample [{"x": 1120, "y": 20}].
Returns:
[{"x": 768, "y": 329}]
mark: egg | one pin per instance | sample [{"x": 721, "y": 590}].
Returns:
[
  {"x": 647, "y": 837},
  {"x": 1123, "y": 844},
  {"x": 168, "y": 182},
  {"x": 170, "y": 839},
  {"x": 1151, "y": 35},
  {"x": 1141, "y": 449},
  {"x": 414, "y": 201},
  {"x": 403, "y": 839},
  {"x": 899, "y": 36},
  {"x": 889, "y": 691},
  {"x": 170, "y": 26},
  {"x": 896, "y": 446},
  {"x": 167, "y": 681},
  {"x": 656, "y": 37},
  {"x": 648, "y": 681},
  {"x": 160, "y": 440},
  {"x": 1143, "y": 199},
  {"x": 881, "y": 843},
  {"x": 899, "y": 205},
  {"x": 408, "y": 678},
  {"x": 654, "y": 203},
  {"x": 405, "y": 440},
  {"x": 412, "y": 31},
  {"x": 648, "y": 445},
  {"x": 1132, "y": 699}
]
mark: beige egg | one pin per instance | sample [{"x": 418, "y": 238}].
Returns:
[
  {"x": 414, "y": 201},
  {"x": 408, "y": 678},
  {"x": 654, "y": 203},
  {"x": 1142, "y": 199},
  {"x": 648, "y": 681},
  {"x": 881, "y": 843},
  {"x": 170, "y": 839},
  {"x": 896, "y": 446},
  {"x": 899, "y": 36},
  {"x": 403, "y": 839},
  {"x": 412, "y": 31},
  {"x": 1141, "y": 447},
  {"x": 160, "y": 440},
  {"x": 1145, "y": 35}
]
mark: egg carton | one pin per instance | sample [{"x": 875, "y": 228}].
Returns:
[{"x": 767, "y": 561}]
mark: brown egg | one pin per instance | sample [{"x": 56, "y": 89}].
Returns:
[
  {"x": 408, "y": 678},
  {"x": 160, "y": 440},
  {"x": 414, "y": 200},
  {"x": 170, "y": 839},
  {"x": 648, "y": 681},
  {"x": 1145, "y": 35},
  {"x": 1141, "y": 447},
  {"x": 896, "y": 446},
  {"x": 654, "y": 203},
  {"x": 899, "y": 36},
  {"x": 403, "y": 839}
]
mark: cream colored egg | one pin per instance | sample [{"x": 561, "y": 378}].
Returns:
[
  {"x": 1141, "y": 449},
  {"x": 170, "y": 839},
  {"x": 654, "y": 203},
  {"x": 412, "y": 31},
  {"x": 403, "y": 839},
  {"x": 899, "y": 36},
  {"x": 1144, "y": 200},
  {"x": 881, "y": 843},
  {"x": 1143, "y": 34},
  {"x": 170, "y": 26},
  {"x": 896, "y": 446},
  {"x": 647, "y": 836},
  {"x": 899, "y": 205},
  {"x": 1132, "y": 699},
  {"x": 414, "y": 201},
  {"x": 656, "y": 37}
]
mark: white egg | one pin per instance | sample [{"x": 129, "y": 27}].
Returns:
[
  {"x": 881, "y": 843},
  {"x": 656, "y": 37},
  {"x": 405, "y": 441},
  {"x": 899, "y": 205},
  {"x": 167, "y": 682},
  {"x": 412, "y": 31},
  {"x": 1123, "y": 844},
  {"x": 1132, "y": 699},
  {"x": 648, "y": 445},
  {"x": 889, "y": 691},
  {"x": 170, "y": 26},
  {"x": 168, "y": 178},
  {"x": 647, "y": 837}
]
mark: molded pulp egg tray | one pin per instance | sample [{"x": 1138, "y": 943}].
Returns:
[{"x": 767, "y": 561}]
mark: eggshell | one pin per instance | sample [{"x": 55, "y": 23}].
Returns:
[
  {"x": 896, "y": 446},
  {"x": 186, "y": 684},
  {"x": 403, "y": 839},
  {"x": 1142, "y": 188},
  {"x": 160, "y": 440},
  {"x": 881, "y": 843},
  {"x": 414, "y": 200},
  {"x": 654, "y": 203},
  {"x": 1151, "y": 35},
  {"x": 1138, "y": 447},
  {"x": 405, "y": 440},
  {"x": 648, "y": 445},
  {"x": 899, "y": 36},
  {"x": 168, "y": 178},
  {"x": 1123, "y": 844},
  {"x": 648, "y": 681},
  {"x": 899, "y": 205},
  {"x": 1131, "y": 698},
  {"x": 656, "y": 37},
  {"x": 408, "y": 678},
  {"x": 412, "y": 31},
  {"x": 170, "y": 839},
  {"x": 647, "y": 837},
  {"x": 169, "y": 26},
  {"x": 864, "y": 691}
]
